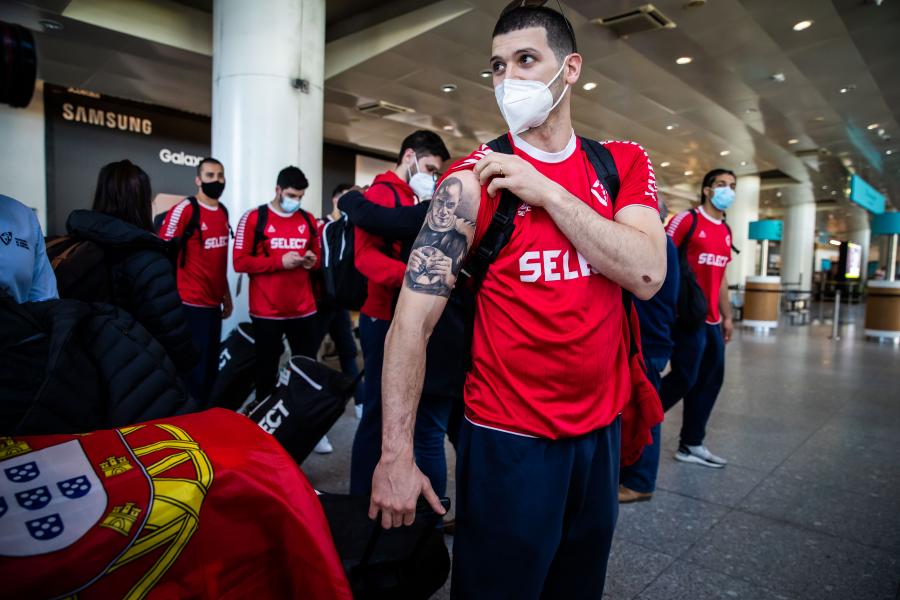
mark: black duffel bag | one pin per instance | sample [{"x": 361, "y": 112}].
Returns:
[
  {"x": 692, "y": 306},
  {"x": 307, "y": 401},
  {"x": 237, "y": 364},
  {"x": 410, "y": 562}
]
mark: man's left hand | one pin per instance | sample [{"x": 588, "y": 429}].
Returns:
[
  {"x": 513, "y": 173},
  {"x": 227, "y": 307},
  {"x": 727, "y": 329},
  {"x": 309, "y": 260}
]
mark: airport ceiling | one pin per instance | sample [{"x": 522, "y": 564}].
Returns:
[{"x": 757, "y": 96}]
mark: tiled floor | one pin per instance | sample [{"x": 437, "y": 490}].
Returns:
[{"x": 809, "y": 506}]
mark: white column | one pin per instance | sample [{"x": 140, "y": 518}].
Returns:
[
  {"x": 798, "y": 236},
  {"x": 744, "y": 210},
  {"x": 261, "y": 122}
]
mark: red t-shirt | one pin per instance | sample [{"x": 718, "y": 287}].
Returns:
[
  {"x": 708, "y": 253},
  {"x": 275, "y": 292},
  {"x": 549, "y": 357},
  {"x": 385, "y": 273},
  {"x": 203, "y": 280}
]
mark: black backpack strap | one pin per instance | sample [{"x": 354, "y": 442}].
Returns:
[
  {"x": 312, "y": 230},
  {"x": 227, "y": 220},
  {"x": 498, "y": 232},
  {"x": 733, "y": 247},
  {"x": 192, "y": 226},
  {"x": 397, "y": 203},
  {"x": 259, "y": 232},
  {"x": 682, "y": 247},
  {"x": 602, "y": 161}
]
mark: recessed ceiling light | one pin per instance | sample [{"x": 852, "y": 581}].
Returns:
[
  {"x": 448, "y": 127},
  {"x": 50, "y": 25},
  {"x": 793, "y": 141},
  {"x": 448, "y": 87},
  {"x": 847, "y": 88},
  {"x": 671, "y": 126},
  {"x": 778, "y": 194},
  {"x": 872, "y": 126},
  {"x": 664, "y": 164},
  {"x": 590, "y": 85},
  {"x": 688, "y": 173},
  {"x": 888, "y": 152},
  {"x": 684, "y": 60},
  {"x": 724, "y": 152},
  {"x": 486, "y": 73},
  {"x": 802, "y": 25},
  {"x": 818, "y": 119},
  {"x": 833, "y": 192},
  {"x": 743, "y": 163},
  {"x": 834, "y": 242},
  {"x": 779, "y": 77}
]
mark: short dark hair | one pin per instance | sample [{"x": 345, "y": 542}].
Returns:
[
  {"x": 292, "y": 177},
  {"x": 208, "y": 159},
  {"x": 123, "y": 191},
  {"x": 710, "y": 177},
  {"x": 424, "y": 142},
  {"x": 341, "y": 188},
  {"x": 560, "y": 35}
]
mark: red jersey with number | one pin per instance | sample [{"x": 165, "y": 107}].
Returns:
[
  {"x": 549, "y": 353},
  {"x": 276, "y": 292},
  {"x": 708, "y": 253},
  {"x": 202, "y": 281},
  {"x": 374, "y": 258}
]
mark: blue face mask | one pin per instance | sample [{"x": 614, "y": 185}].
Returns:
[
  {"x": 290, "y": 205},
  {"x": 723, "y": 198}
]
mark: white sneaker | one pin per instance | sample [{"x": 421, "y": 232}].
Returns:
[
  {"x": 324, "y": 446},
  {"x": 699, "y": 455},
  {"x": 358, "y": 409}
]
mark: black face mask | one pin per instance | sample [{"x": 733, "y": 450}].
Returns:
[{"x": 213, "y": 189}]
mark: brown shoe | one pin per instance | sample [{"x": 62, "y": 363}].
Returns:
[{"x": 628, "y": 495}]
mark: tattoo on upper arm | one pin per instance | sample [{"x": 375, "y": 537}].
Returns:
[{"x": 444, "y": 240}]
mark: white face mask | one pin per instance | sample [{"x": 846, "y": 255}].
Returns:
[
  {"x": 422, "y": 184},
  {"x": 525, "y": 104},
  {"x": 290, "y": 205}
]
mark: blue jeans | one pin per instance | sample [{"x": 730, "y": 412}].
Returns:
[
  {"x": 698, "y": 369},
  {"x": 431, "y": 420},
  {"x": 641, "y": 476},
  {"x": 534, "y": 517}
]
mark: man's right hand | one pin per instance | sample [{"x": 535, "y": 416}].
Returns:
[
  {"x": 396, "y": 487},
  {"x": 291, "y": 260}
]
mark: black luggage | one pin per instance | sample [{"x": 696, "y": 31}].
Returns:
[
  {"x": 237, "y": 362},
  {"x": 408, "y": 562},
  {"x": 344, "y": 285},
  {"x": 308, "y": 400}
]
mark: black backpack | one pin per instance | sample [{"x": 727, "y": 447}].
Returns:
[
  {"x": 344, "y": 285},
  {"x": 259, "y": 232},
  {"x": 190, "y": 229},
  {"x": 81, "y": 268}
]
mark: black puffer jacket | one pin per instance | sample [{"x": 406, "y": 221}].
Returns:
[
  {"x": 67, "y": 366},
  {"x": 143, "y": 279}
]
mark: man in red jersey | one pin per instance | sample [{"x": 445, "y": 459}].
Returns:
[
  {"x": 201, "y": 223},
  {"x": 698, "y": 358},
  {"x": 538, "y": 454},
  {"x": 276, "y": 246},
  {"x": 422, "y": 154}
]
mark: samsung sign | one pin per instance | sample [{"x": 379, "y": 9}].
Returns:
[{"x": 86, "y": 130}]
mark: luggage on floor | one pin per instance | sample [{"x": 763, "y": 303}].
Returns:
[
  {"x": 237, "y": 362},
  {"x": 408, "y": 562},
  {"x": 307, "y": 401}
]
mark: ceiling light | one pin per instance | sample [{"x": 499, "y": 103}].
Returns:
[
  {"x": 684, "y": 60},
  {"x": 793, "y": 141},
  {"x": 824, "y": 187},
  {"x": 724, "y": 152},
  {"x": 833, "y": 192},
  {"x": 751, "y": 110},
  {"x": 778, "y": 77},
  {"x": 664, "y": 164},
  {"x": 688, "y": 173},
  {"x": 872, "y": 126},
  {"x": 889, "y": 152},
  {"x": 818, "y": 119},
  {"x": 743, "y": 163},
  {"x": 834, "y": 242},
  {"x": 50, "y": 25},
  {"x": 671, "y": 126},
  {"x": 590, "y": 85},
  {"x": 802, "y": 25},
  {"x": 847, "y": 88},
  {"x": 448, "y": 87},
  {"x": 778, "y": 194},
  {"x": 448, "y": 127},
  {"x": 486, "y": 73}
]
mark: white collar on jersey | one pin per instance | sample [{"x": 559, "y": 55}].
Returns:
[
  {"x": 543, "y": 155},
  {"x": 207, "y": 207},
  {"x": 281, "y": 213},
  {"x": 703, "y": 212}
]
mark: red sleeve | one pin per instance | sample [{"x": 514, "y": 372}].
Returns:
[
  {"x": 679, "y": 226},
  {"x": 243, "y": 261},
  {"x": 176, "y": 220},
  {"x": 637, "y": 180},
  {"x": 369, "y": 256}
]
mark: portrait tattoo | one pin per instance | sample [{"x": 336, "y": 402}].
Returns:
[{"x": 443, "y": 242}]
